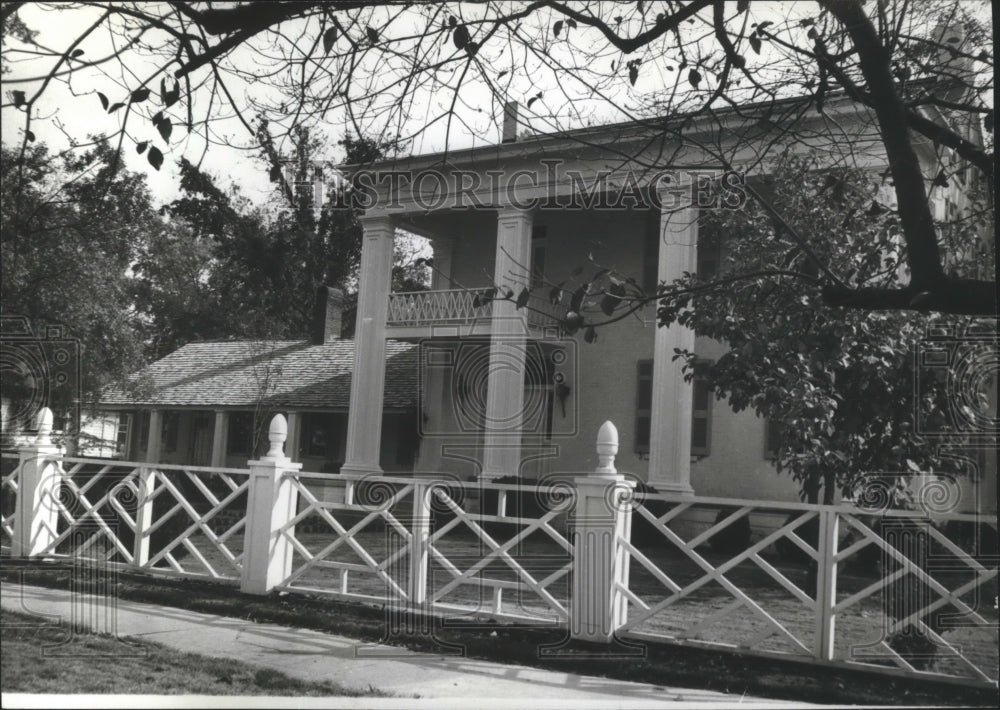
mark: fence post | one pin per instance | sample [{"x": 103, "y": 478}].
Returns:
[
  {"x": 271, "y": 503},
  {"x": 36, "y": 512},
  {"x": 420, "y": 533},
  {"x": 600, "y": 567},
  {"x": 826, "y": 585}
]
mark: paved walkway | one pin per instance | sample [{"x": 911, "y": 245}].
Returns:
[{"x": 317, "y": 656}]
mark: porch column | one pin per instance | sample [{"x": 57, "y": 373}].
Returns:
[
  {"x": 443, "y": 248},
  {"x": 670, "y": 428},
  {"x": 364, "y": 422},
  {"x": 505, "y": 379},
  {"x": 220, "y": 435},
  {"x": 154, "y": 444}
]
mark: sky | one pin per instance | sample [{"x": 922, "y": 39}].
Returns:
[{"x": 76, "y": 110}]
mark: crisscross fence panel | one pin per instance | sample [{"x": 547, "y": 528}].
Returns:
[
  {"x": 180, "y": 520},
  {"x": 442, "y": 545},
  {"x": 834, "y": 584},
  {"x": 10, "y": 471}
]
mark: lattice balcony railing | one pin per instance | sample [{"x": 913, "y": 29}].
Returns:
[{"x": 460, "y": 307}]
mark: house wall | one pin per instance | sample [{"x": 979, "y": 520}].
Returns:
[{"x": 603, "y": 376}]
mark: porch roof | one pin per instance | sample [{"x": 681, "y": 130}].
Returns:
[{"x": 293, "y": 374}]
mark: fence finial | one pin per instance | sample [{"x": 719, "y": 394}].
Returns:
[
  {"x": 607, "y": 448},
  {"x": 44, "y": 437},
  {"x": 277, "y": 433}
]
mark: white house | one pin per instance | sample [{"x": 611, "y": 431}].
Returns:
[{"x": 503, "y": 391}]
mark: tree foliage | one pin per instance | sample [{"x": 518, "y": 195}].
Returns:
[
  {"x": 839, "y": 385},
  {"x": 927, "y": 66}
]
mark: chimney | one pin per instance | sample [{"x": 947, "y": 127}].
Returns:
[
  {"x": 510, "y": 111},
  {"x": 327, "y": 314}
]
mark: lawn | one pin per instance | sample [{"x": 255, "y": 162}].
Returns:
[{"x": 37, "y": 656}]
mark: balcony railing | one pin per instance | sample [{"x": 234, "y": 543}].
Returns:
[{"x": 457, "y": 306}]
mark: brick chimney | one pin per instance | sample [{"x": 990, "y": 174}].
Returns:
[
  {"x": 327, "y": 315},
  {"x": 510, "y": 114}
]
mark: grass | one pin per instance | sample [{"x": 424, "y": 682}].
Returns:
[
  {"x": 661, "y": 664},
  {"x": 39, "y": 656}
]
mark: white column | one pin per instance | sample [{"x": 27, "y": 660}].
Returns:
[
  {"x": 670, "y": 429},
  {"x": 154, "y": 442},
  {"x": 505, "y": 380},
  {"x": 219, "y": 438},
  {"x": 364, "y": 424},
  {"x": 443, "y": 249}
]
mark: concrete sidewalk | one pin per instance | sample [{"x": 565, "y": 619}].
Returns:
[{"x": 316, "y": 656}]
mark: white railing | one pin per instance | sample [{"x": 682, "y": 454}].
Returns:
[
  {"x": 460, "y": 307},
  {"x": 457, "y": 306},
  {"x": 897, "y": 591}
]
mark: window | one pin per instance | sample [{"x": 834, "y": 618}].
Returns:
[
  {"x": 142, "y": 440},
  {"x": 701, "y": 407},
  {"x": 322, "y": 435},
  {"x": 701, "y": 410},
  {"x": 240, "y": 435},
  {"x": 124, "y": 430},
  {"x": 538, "y": 235},
  {"x": 171, "y": 430},
  {"x": 651, "y": 251},
  {"x": 772, "y": 438},
  {"x": 644, "y": 406}
]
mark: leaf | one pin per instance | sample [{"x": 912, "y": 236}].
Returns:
[
  {"x": 460, "y": 37},
  {"x": 274, "y": 174},
  {"x": 755, "y": 43},
  {"x": 806, "y": 22},
  {"x": 522, "y": 299},
  {"x": 372, "y": 34},
  {"x": 941, "y": 180},
  {"x": 329, "y": 38},
  {"x": 472, "y": 48},
  {"x": 504, "y": 71},
  {"x": 155, "y": 157},
  {"x": 30, "y": 136},
  {"x": 694, "y": 77},
  {"x": 139, "y": 95},
  {"x": 556, "y": 295},
  {"x": 590, "y": 335},
  {"x": 165, "y": 128},
  {"x": 140, "y": 148},
  {"x": 763, "y": 26},
  {"x": 571, "y": 23},
  {"x": 534, "y": 98},
  {"x": 576, "y": 301},
  {"x": 104, "y": 100},
  {"x": 19, "y": 98},
  {"x": 633, "y": 73},
  {"x": 452, "y": 21},
  {"x": 913, "y": 465},
  {"x": 574, "y": 321},
  {"x": 557, "y": 27},
  {"x": 115, "y": 107},
  {"x": 742, "y": 6},
  {"x": 77, "y": 53}
]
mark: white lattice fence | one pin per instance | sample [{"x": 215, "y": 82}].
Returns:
[
  {"x": 416, "y": 542},
  {"x": 821, "y": 582},
  {"x": 173, "y": 519},
  {"x": 8, "y": 498}
]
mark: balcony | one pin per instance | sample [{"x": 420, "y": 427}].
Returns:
[{"x": 421, "y": 314}]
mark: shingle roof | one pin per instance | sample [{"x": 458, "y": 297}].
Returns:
[{"x": 292, "y": 373}]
